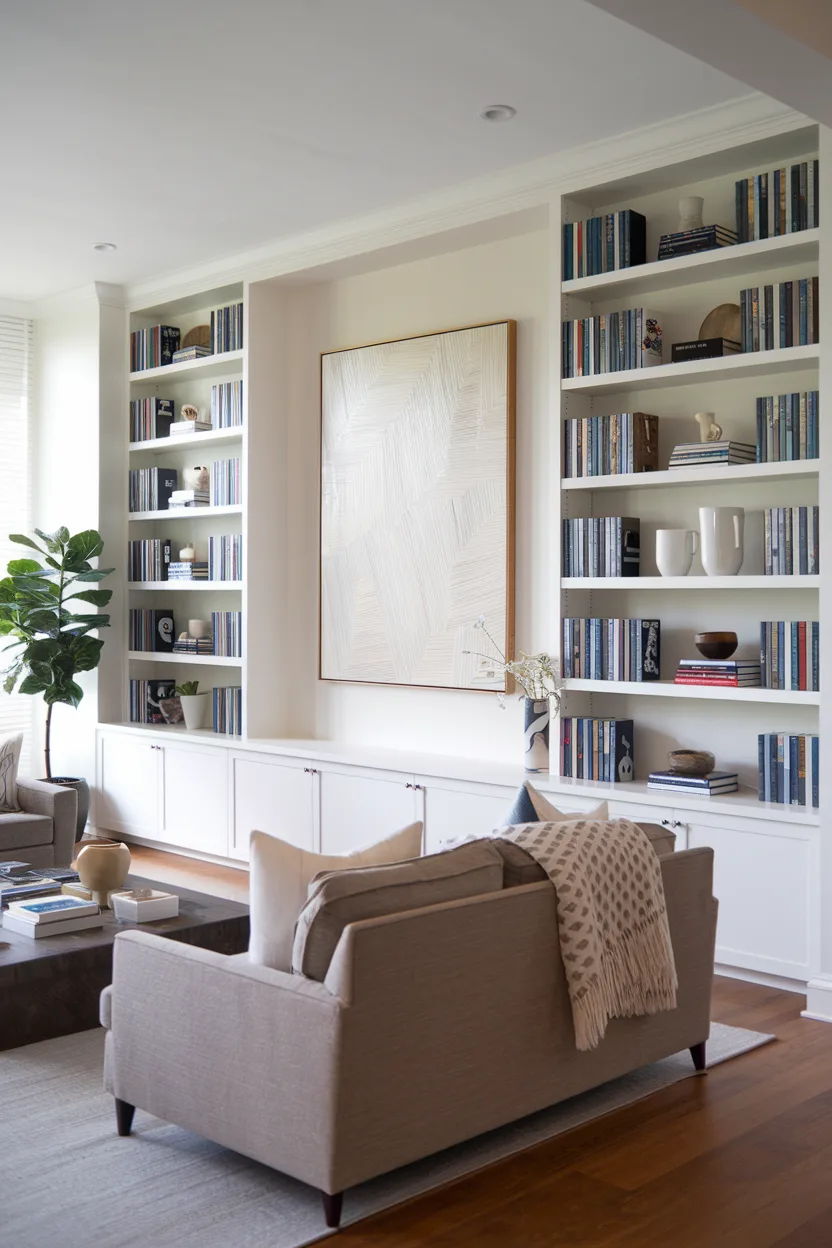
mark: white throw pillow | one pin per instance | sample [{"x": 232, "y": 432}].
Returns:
[
  {"x": 280, "y": 878},
  {"x": 532, "y": 807},
  {"x": 10, "y": 748}
]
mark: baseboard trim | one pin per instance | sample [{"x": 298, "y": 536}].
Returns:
[
  {"x": 762, "y": 978},
  {"x": 818, "y": 1000},
  {"x": 178, "y": 851}
]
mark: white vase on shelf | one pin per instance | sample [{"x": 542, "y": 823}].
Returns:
[
  {"x": 675, "y": 549},
  {"x": 721, "y": 530},
  {"x": 690, "y": 212}
]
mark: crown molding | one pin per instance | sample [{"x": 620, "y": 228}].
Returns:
[
  {"x": 15, "y": 307},
  {"x": 521, "y": 187},
  {"x": 91, "y": 292}
]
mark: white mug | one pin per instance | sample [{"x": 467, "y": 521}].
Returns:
[
  {"x": 722, "y": 530},
  {"x": 199, "y": 628},
  {"x": 675, "y": 549}
]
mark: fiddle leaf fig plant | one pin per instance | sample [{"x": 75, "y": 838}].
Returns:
[
  {"x": 188, "y": 689},
  {"x": 50, "y": 639}
]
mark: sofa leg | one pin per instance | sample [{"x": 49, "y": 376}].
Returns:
[
  {"x": 698, "y": 1054},
  {"x": 332, "y": 1208},
  {"x": 124, "y": 1116}
]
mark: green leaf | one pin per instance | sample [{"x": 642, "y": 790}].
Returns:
[
  {"x": 83, "y": 546},
  {"x": 70, "y": 693},
  {"x": 97, "y": 575},
  {"x": 42, "y": 620},
  {"x": 22, "y": 540},
  {"x": 86, "y": 652},
  {"x": 32, "y": 685},
  {"x": 54, "y": 542},
  {"x": 98, "y": 597},
  {"x": 53, "y": 563},
  {"x": 42, "y": 672},
  {"x": 24, "y": 567},
  {"x": 43, "y": 650}
]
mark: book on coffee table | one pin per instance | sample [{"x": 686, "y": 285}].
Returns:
[
  {"x": 47, "y": 910},
  {"x": 25, "y": 927}
]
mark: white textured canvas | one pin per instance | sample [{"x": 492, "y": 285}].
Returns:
[{"x": 415, "y": 467}]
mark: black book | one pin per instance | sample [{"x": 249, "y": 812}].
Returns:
[
  {"x": 162, "y": 630},
  {"x": 169, "y": 337},
  {"x": 651, "y": 649},
  {"x": 157, "y": 690},
  {"x": 703, "y": 349},
  {"x": 630, "y": 545},
  {"x": 163, "y": 418}
]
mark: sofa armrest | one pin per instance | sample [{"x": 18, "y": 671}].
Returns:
[
  {"x": 60, "y": 804},
  {"x": 242, "y": 1054}
]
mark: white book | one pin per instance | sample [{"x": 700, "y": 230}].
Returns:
[
  {"x": 51, "y": 909},
  {"x": 24, "y": 927}
]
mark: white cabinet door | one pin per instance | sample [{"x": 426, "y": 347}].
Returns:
[
  {"x": 453, "y": 810},
  {"x": 127, "y": 788},
  {"x": 359, "y": 807},
  {"x": 274, "y": 795},
  {"x": 194, "y": 806},
  {"x": 761, "y": 879}
]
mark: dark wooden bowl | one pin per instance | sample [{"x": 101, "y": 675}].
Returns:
[
  {"x": 691, "y": 762},
  {"x": 716, "y": 645}
]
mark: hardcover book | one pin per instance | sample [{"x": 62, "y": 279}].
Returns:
[{"x": 703, "y": 349}]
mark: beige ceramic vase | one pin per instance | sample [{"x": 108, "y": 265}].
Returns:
[{"x": 103, "y": 866}]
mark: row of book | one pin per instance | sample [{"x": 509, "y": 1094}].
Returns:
[
  {"x": 707, "y": 454},
  {"x": 599, "y": 649},
  {"x": 148, "y": 559},
  {"x": 153, "y": 347},
  {"x": 150, "y": 418},
  {"x": 188, "y": 570},
  {"x": 719, "y": 673},
  {"x": 789, "y": 768},
  {"x": 193, "y": 646},
  {"x": 778, "y": 201},
  {"x": 153, "y": 631},
  {"x": 788, "y": 427},
  {"x": 790, "y": 654},
  {"x": 610, "y": 343},
  {"x": 150, "y": 489},
  {"x": 600, "y": 446},
  {"x": 226, "y": 482},
  {"x": 52, "y": 915},
  {"x": 227, "y": 405},
  {"x": 227, "y": 709},
  {"x": 713, "y": 783},
  {"x": 146, "y": 698},
  {"x": 227, "y": 328},
  {"x": 592, "y": 748},
  {"x": 601, "y": 546},
  {"x": 691, "y": 242},
  {"x": 781, "y": 315},
  {"x": 792, "y": 541},
  {"x": 227, "y": 632},
  {"x": 225, "y": 557},
  {"x": 617, "y": 240}
]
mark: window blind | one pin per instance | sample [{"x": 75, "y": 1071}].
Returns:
[{"x": 17, "y": 711}]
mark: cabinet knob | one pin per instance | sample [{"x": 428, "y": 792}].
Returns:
[
  {"x": 671, "y": 823},
  {"x": 412, "y": 786},
  {"x": 311, "y": 771}
]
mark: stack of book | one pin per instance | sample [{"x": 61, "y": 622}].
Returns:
[
  {"x": 690, "y": 242},
  {"x": 779, "y": 201},
  {"x": 152, "y": 488},
  {"x": 782, "y": 315},
  {"x": 617, "y": 240},
  {"x": 790, "y": 654},
  {"x": 597, "y": 649},
  {"x": 151, "y": 630},
  {"x": 703, "y": 349},
  {"x": 722, "y": 673},
  {"x": 792, "y": 541},
  {"x": 611, "y": 343},
  {"x": 226, "y": 489},
  {"x": 20, "y": 882},
  {"x": 228, "y": 709},
  {"x": 227, "y": 328},
  {"x": 51, "y": 916},
  {"x": 193, "y": 645},
  {"x": 150, "y": 418},
  {"x": 715, "y": 782},
  {"x": 602, "y": 446},
  {"x": 706, "y": 454},
  {"x": 145, "y": 696},
  {"x": 190, "y": 426},
  {"x": 148, "y": 559},
  {"x": 152, "y": 348},
  {"x": 787, "y": 427},
  {"x": 597, "y": 749},
  {"x": 227, "y": 628},
  {"x": 185, "y": 354},
  {"x": 601, "y": 546},
  {"x": 189, "y": 498},
  {"x": 227, "y": 405},
  {"x": 225, "y": 557},
  {"x": 190, "y": 570},
  {"x": 789, "y": 768}
]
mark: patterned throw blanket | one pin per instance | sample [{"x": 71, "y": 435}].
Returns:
[{"x": 612, "y": 920}]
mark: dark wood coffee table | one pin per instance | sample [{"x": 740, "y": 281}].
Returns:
[{"x": 50, "y": 987}]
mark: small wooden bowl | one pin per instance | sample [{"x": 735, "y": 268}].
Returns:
[
  {"x": 716, "y": 645},
  {"x": 691, "y": 762}
]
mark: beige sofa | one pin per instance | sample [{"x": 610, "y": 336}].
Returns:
[
  {"x": 428, "y": 1027},
  {"x": 42, "y": 832}
]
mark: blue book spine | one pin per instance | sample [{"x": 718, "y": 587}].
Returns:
[
  {"x": 815, "y": 767},
  {"x": 793, "y": 770},
  {"x": 761, "y": 767}
]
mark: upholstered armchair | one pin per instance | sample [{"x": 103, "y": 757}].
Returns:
[{"x": 42, "y": 832}]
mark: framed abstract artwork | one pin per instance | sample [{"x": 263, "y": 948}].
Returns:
[{"x": 417, "y": 508}]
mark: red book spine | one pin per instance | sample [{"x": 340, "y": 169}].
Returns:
[{"x": 707, "y": 680}]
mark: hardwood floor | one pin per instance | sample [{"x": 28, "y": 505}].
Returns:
[{"x": 740, "y": 1157}]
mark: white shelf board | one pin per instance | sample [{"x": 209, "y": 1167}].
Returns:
[
  {"x": 667, "y": 689},
  {"x": 691, "y": 372},
  {"x": 690, "y": 582},
  {"x": 186, "y": 513},
  {"x": 208, "y": 366},
  {"x": 208, "y": 437},
  {"x": 201, "y": 660},
  {"x": 707, "y": 266},
  {"x": 189, "y": 586},
  {"x": 206, "y": 735},
  {"x": 788, "y": 470}
]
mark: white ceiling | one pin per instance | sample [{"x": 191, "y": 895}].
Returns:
[{"x": 186, "y": 130}]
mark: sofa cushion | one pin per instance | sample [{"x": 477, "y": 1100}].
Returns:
[
  {"x": 520, "y": 868},
  {"x": 279, "y": 878},
  {"x": 341, "y": 897},
  {"x": 18, "y": 830},
  {"x": 532, "y": 807}
]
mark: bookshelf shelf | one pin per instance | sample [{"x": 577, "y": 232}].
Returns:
[
  {"x": 791, "y": 470},
  {"x": 186, "y": 513},
  {"x": 751, "y": 364},
  {"x": 208, "y": 366},
  {"x": 192, "y": 587},
  {"x": 212, "y": 437},
  {"x": 702, "y": 583},
  {"x": 667, "y": 689},
  {"x": 742, "y": 259},
  {"x": 199, "y": 660}
]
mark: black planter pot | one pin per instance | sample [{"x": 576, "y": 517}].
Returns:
[{"x": 83, "y": 790}]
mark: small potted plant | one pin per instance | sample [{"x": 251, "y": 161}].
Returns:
[{"x": 193, "y": 703}]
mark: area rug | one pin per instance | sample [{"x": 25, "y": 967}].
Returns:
[{"x": 69, "y": 1179}]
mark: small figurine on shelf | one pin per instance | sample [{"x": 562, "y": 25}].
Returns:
[
  {"x": 187, "y": 554},
  {"x": 709, "y": 430}
]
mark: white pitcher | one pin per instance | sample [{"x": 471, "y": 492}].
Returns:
[
  {"x": 721, "y": 537},
  {"x": 675, "y": 549}
]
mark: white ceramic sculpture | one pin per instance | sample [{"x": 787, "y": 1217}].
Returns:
[
  {"x": 709, "y": 430},
  {"x": 721, "y": 530},
  {"x": 690, "y": 212},
  {"x": 675, "y": 549}
]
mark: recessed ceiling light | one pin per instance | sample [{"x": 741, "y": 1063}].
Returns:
[
  {"x": 498, "y": 112},
  {"x": 104, "y": 247}
]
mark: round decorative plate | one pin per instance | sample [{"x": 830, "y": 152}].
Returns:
[
  {"x": 723, "y": 322},
  {"x": 199, "y": 336}
]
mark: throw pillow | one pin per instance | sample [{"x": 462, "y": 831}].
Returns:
[
  {"x": 280, "y": 875},
  {"x": 10, "y": 748},
  {"x": 532, "y": 807}
]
